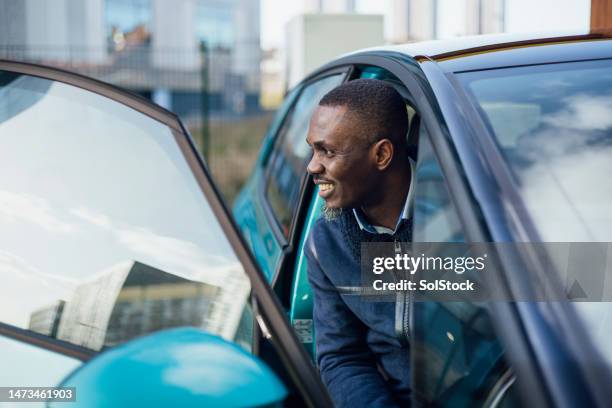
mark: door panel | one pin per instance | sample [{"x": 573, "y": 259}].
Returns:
[{"x": 300, "y": 300}]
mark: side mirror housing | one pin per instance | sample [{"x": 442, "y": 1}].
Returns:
[{"x": 182, "y": 367}]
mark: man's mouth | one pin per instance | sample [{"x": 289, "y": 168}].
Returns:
[{"x": 324, "y": 187}]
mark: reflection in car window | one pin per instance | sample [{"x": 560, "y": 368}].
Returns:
[
  {"x": 553, "y": 126},
  {"x": 289, "y": 159},
  {"x": 104, "y": 232},
  {"x": 456, "y": 356},
  {"x": 435, "y": 218}
]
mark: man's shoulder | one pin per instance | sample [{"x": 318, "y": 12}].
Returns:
[
  {"x": 325, "y": 230},
  {"x": 321, "y": 229},
  {"x": 323, "y": 234},
  {"x": 323, "y": 225}
]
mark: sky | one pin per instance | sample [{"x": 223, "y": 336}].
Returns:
[{"x": 522, "y": 16}]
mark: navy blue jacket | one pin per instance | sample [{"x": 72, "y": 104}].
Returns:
[{"x": 361, "y": 346}]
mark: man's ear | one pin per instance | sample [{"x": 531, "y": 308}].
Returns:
[{"x": 383, "y": 150}]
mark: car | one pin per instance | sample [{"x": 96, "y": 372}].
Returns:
[{"x": 511, "y": 135}]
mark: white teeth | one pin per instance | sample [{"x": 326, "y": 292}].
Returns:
[{"x": 326, "y": 186}]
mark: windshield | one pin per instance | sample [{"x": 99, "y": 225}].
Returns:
[{"x": 553, "y": 126}]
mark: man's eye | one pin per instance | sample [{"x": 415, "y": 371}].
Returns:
[{"x": 328, "y": 153}]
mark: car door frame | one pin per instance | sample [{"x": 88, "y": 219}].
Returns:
[
  {"x": 281, "y": 281},
  {"x": 290, "y": 351},
  {"x": 452, "y": 137}
]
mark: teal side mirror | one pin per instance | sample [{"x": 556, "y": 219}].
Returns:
[{"x": 182, "y": 367}]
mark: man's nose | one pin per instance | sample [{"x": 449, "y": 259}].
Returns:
[{"x": 314, "y": 166}]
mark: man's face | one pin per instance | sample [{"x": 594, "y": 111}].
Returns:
[{"x": 343, "y": 163}]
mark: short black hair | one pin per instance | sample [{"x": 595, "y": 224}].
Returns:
[{"x": 380, "y": 109}]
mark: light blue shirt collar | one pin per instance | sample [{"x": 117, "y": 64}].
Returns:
[{"x": 379, "y": 229}]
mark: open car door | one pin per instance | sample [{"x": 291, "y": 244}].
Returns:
[{"x": 111, "y": 229}]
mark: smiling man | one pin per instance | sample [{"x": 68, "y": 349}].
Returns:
[{"x": 361, "y": 166}]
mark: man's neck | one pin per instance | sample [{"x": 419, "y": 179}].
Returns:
[{"x": 387, "y": 208}]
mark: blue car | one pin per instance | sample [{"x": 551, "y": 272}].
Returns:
[
  {"x": 127, "y": 282},
  {"x": 511, "y": 135}
]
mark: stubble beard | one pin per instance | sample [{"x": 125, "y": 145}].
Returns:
[{"x": 330, "y": 214}]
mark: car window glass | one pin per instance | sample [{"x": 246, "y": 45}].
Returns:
[
  {"x": 456, "y": 355},
  {"x": 288, "y": 162},
  {"x": 553, "y": 125},
  {"x": 105, "y": 234},
  {"x": 435, "y": 217}
]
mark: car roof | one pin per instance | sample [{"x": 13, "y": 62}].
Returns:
[
  {"x": 435, "y": 48},
  {"x": 496, "y": 50}
]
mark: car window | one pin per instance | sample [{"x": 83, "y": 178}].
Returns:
[
  {"x": 553, "y": 126},
  {"x": 457, "y": 359},
  {"x": 105, "y": 234},
  {"x": 287, "y": 164},
  {"x": 435, "y": 217}
]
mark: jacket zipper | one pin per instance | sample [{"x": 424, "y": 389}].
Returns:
[{"x": 405, "y": 333}]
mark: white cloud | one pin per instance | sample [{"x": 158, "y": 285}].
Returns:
[
  {"x": 567, "y": 190},
  {"x": 585, "y": 112},
  {"x": 25, "y": 289},
  {"x": 96, "y": 218},
  {"x": 32, "y": 209},
  {"x": 168, "y": 253}
]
